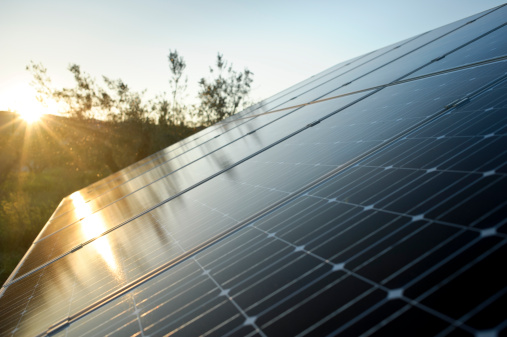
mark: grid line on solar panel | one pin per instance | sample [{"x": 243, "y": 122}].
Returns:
[
  {"x": 396, "y": 291},
  {"x": 370, "y": 209},
  {"x": 397, "y": 294},
  {"x": 248, "y": 320}
]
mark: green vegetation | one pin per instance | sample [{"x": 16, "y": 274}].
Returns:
[
  {"x": 46, "y": 161},
  {"x": 106, "y": 128},
  {"x": 221, "y": 96}
]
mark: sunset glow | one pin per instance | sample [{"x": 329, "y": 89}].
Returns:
[
  {"x": 30, "y": 116},
  {"x": 23, "y": 100}
]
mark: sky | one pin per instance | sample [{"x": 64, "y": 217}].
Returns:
[{"x": 281, "y": 42}]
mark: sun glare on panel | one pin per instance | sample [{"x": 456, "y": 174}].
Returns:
[{"x": 92, "y": 228}]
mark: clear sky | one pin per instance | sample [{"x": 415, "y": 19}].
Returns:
[{"x": 282, "y": 42}]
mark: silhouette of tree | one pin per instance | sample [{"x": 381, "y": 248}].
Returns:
[
  {"x": 123, "y": 104},
  {"x": 173, "y": 112},
  {"x": 223, "y": 95},
  {"x": 178, "y": 85},
  {"x": 80, "y": 100},
  {"x": 87, "y": 99}
]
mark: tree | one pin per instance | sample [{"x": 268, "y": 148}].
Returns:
[
  {"x": 87, "y": 99},
  {"x": 41, "y": 81},
  {"x": 123, "y": 104},
  {"x": 80, "y": 100},
  {"x": 83, "y": 97},
  {"x": 175, "y": 112},
  {"x": 223, "y": 95}
]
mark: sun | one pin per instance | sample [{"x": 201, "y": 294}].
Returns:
[
  {"x": 22, "y": 99},
  {"x": 30, "y": 116}
]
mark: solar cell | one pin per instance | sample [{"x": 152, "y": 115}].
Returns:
[{"x": 371, "y": 213}]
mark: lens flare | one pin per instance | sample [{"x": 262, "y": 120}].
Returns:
[{"x": 30, "y": 116}]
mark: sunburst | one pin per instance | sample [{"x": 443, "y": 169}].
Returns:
[
  {"x": 23, "y": 98},
  {"x": 30, "y": 116}
]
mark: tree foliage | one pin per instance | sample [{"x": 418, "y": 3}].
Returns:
[
  {"x": 222, "y": 95},
  {"x": 176, "y": 111},
  {"x": 121, "y": 104}
]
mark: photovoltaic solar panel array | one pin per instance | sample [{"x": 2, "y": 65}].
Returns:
[{"x": 370, "y": 199}]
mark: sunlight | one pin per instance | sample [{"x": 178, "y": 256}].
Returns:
[
  {"x": 23, "y": 100},
  {"x": 30, "y": 116}
]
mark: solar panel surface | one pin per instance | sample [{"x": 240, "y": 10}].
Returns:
[{"x": 369, "y": 212}]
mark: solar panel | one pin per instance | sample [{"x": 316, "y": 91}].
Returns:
[{"x": 378, "y": 209}]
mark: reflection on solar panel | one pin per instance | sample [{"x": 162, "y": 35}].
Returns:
[{"x": 378, "y": 209}]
